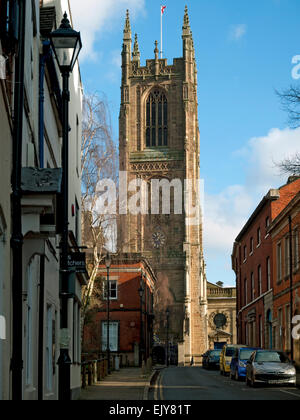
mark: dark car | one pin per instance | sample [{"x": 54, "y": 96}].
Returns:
[
  {"x": 211, "y": 359},
  {"x": 270, "y": 367},
  {"x": 239, "y": 362}
]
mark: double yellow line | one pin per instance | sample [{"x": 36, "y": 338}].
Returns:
[{"x": 158, "y": 390}]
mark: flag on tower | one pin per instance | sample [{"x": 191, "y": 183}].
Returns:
[{"x": 162, "y": 9}]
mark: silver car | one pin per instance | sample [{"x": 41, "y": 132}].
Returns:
[{"x": 270, "y": 367}]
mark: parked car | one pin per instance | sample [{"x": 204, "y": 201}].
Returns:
[
  {"x": 239, "y": 362},
  {"x": 270, "y": 367},
  {"x": 211, "y": 359},
  {"x": 226, "y": 356}
]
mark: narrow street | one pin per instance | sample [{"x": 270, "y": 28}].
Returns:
[{"x": 193, "y": 383}]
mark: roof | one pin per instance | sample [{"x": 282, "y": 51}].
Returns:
[
  {"x": 272, "y": 195},
  {"x": 284, "y": 212}
]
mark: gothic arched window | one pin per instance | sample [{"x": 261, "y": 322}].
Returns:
[{"x": 156, "y": 119}]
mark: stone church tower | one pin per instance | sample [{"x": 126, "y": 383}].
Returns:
[{"x": 159, "y": 140}]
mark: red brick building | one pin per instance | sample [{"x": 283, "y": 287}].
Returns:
[
  {"x": 132, "y": 283},
  {"x": 252, "y": 261},
  {"x": 284, "y": 231}
]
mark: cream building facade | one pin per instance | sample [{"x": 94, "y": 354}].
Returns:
[
  {"x": 5, "y": 224},
  {"x": 159, "y": 141},
  {"x": 221, "y": 314},
  {"x": 40, "y": 220}
]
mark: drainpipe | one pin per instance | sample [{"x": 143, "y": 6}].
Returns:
[
  {"x": 16, "y": 365},
  {"x": 43, "y": 59},
  {"x": 291, "y": 283}
]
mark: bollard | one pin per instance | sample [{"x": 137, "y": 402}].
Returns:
[
  {"x": 98, "y": 370},
  {"x": 149, "y": 365},
  {"x": 94, "y": 365},
  {"x": 102, "y": 369},
  {"x": 89, "y": 373},
  {"x": 83, "y": 374},
  {"x": 117, "y": 363},
  {"x": 143, "y": 368}
]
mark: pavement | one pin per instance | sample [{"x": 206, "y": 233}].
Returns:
[{"x": 124, "y": 384}]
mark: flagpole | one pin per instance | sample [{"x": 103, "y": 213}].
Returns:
[{"x": 161, "y": 48}]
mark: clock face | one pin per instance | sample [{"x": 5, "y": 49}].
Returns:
[{"x": 158, "y": 239}]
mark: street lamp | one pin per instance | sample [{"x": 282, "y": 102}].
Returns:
[
  {"x": 141, "y": 292},
  {"x": 108, "y": 264},
  {"x": 167, "y": 315},
  {"x": 66, "y": 45}
]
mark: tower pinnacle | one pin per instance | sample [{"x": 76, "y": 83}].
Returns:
[
  {"x": 136, "y": 51},
  {"x": 127, "y": 28},
  {"x": 156, "y": 50},
  {"x": 186, "y": 30}
]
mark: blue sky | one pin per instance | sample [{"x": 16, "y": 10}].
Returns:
[{"x": 244, "y": 52}]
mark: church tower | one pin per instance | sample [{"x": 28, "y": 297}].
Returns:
[{"x": 159, "y": 145}]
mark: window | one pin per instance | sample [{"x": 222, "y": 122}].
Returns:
[
  {"x": 288, "y": 328},
  {"x": 156, "y": 119},
  {"x": 113, "y": 336},
  {"x": 246, "y": 291},
  {"x": 296, "y": 249},
  {"x": 245, "y": 253},
  {"x": 279, "y": 263},
  {"x": 113, "y": 289},
  {"x": 267, "y": 224},
  {"x": 251, "y": 245},
  {"x": 280, "y": 328},
  {"x": 258, "y": 237},
  {"x": 268, "y": 265},
  {"x": 287, "y": 256},
  {"x": 252, "y": 287},
  {"x": 4, "y": 18},
  {"x": 259, "y": 280},
  {"x": 260, "y": 331}
]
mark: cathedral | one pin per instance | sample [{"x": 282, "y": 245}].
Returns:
[{"x": 159, "y": 147}]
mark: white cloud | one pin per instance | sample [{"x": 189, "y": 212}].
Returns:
[
  {"x": 224, "y": 215},
  {"x": 96, "y": 17},
  {"x": 238, "y": 31},
  {"x": 264, "y": 153},
  {"x": 226, "y": 212}
]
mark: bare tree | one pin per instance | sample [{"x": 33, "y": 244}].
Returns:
[
  {"x": 291, "y": 165},
  {"x": 99, "y": 160},
  {"x": 290, "y": 100}
]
